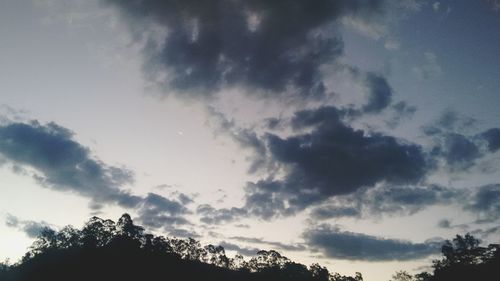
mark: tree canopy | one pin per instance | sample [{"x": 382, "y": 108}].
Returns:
[
  {"x": 105, "y": 250},
  {"x": 462, "y": 259}
]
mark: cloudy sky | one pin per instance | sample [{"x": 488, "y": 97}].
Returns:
[{"x": 358, "y": 134}]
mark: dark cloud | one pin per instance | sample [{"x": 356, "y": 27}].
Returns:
[
  {"x": 158, "y": 202},
  {"x": 486, "y": 233},
  {"x": 266, "y": 199},
  {"x": 389, "y": 200},
  {"x": 455, "y": 144},
  {"x": 486, "y": 203},
  {"x": 444, "y": 223},
  {"x": 352, "y": 173},
  {"x": 402, "y": 110},
  {"x": 63, "y": 164},
  {"x": 248, "y": 44},
  {"x": 242, "y": 225},
  {"x": 277, "y": 245},
  {"x": 180, "y": 232},
  {"x": 332, "y": 159},
  {"x": 157, "y": 211},
  {"x": 273, "y": 123},
  {"x": 164, "y": 186},
  {"x": 241, "y": 250},
  {"x": 322, "y": 116},
  {"x": 185, "y": 199},
  {"x": 210, "y": 215},
  {"x": 329, "y": 212},
  {"x": 31, "y": 228},
  {"x": 459, "y": 152},
  {"x": 450, "y": 122},
  {"x": 492, "y": 137},
  {"x": 380, "y": 93},
  {"x": 409, "y": 199},
  {"x": 335, "y": 243},
  {"x": 448, "y": 224}
]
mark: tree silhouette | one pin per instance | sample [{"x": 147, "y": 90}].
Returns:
[
  {"x": 463, "y": 259},
  {"x": 105, "y": 250},
  {"x": 402, "y": 276}
]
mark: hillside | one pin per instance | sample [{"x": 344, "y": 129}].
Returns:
[{"x": 105, "y": 250}]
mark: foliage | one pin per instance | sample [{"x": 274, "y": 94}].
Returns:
[
  {"x": 105, "y": 250},
  {"x": 402, "y": 276},
  {"x": 463, "y": 259}
]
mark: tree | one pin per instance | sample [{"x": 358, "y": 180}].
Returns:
[
  {"x": 98, "y": 232},
  {"x": 462, "y": 250},
  {"x": 423, "y": 276},
  {"x": 68, "y": 237},
  {"x": 161, "y": 245},
  {"x": 46, "y": 240},
  {"x": 463, "y": 259},
  {"x": 319, "y": 273},
  {"x": 126, "y": 227},
  {"x": 402, "y": 276},
  {"x": 4, "y": 269},
  {"x": 103, "y": 250},
  {"x": 238, "y": 263},
  {"x": 267, "y": 259},
  {"x": 216, "y": 255},
  {"x": 338, "y": 277}
]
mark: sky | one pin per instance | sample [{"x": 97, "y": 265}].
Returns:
[{"x": 357, "y": 134}]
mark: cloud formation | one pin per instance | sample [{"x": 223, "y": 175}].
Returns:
[
  {"x": 401, "y": 110},
  {"x": 333, "y": 212},
  {"x": 456, "y": 146},
  {"x": 410, "y": 199},
  {"x": 492, "y": 137},
  {"x": 211, "y": 215},
  {"x": 389, "y": 200},
  {"x": 277, "y": 245},
  {"x": 247, "y": 44},
  {"x": 247, "y": 251},
  {"x": 157, "y": 211},
  {"x": 60, "y": 163},
  {"x": 63, "y": 164},
  {"x": 331, "y": 159},
  {"x": 332, "y": 242},
  {"x": 458, "y": 151},
  {"x": 450, "y": 122},
  {"x": 380, "y": 93},
  {"x": 486, "y": 203},
  {"x": 31, "y": 228}
]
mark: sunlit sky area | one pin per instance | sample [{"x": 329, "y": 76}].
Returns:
[{"x": 353, "y": 133}]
